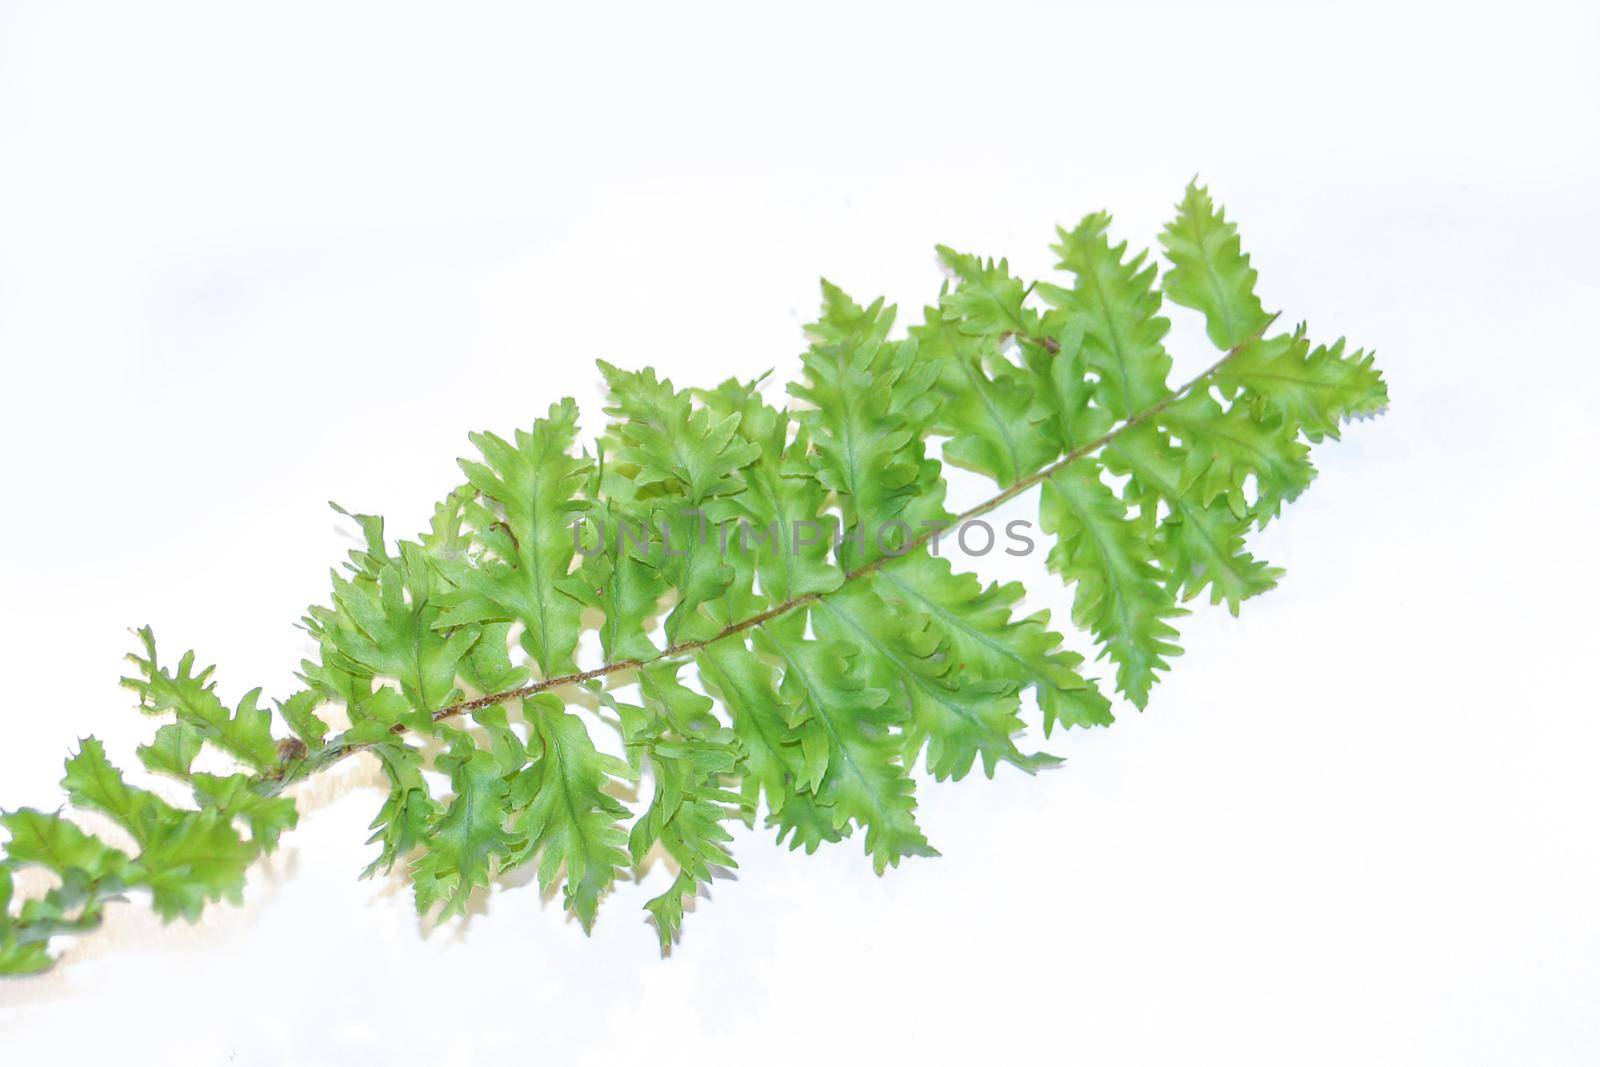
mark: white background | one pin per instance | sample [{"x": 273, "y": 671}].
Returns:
[{"x": 253, "y": 257}]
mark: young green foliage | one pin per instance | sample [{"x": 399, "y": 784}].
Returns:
[{"x": 771, "y": 580}]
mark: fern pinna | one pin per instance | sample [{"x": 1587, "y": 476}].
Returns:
[{"x": 801, "y": 667}]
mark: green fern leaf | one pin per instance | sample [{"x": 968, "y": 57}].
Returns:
[
  {"x": 528, "y": 499},
  {"x": 872, "y": 402},
  {"x": 245, "y": 733},
  {"x": 92, "y": 782},
  {"x": 173, "y": 750},
  {"x": 410, "y": 812},
  {"x": 239, "y": 797},
  {"x": 196, "y": 860},
  {"x": 56, "y": 844},
  {"x": 299, "y": 714},
  {"x": 958, "y": 715},
  {"x": 470, "y": 837},
  {"x": 1210, "y": 272},
  {"x": 678, "y": 459},
  {"x": 747, "y": 687},
  {"x": 388, "y": 625},
  {"x": 668, "y": 441},
  {"x": 1115, "y": 298},
  {"x": 1227, "y": 449},
  {"x": 781, "y": 525},
  {"x": 990, "y": 408},
  {"x": 487, "y": 666},
  {"x": 1119, "y": 592},
  {"x": 565, "y": 815},
  {"x": 851, "y": 761},
  {"x": 1201, "y": 546},
  {"x": 987, "y": 299},
  {"x": 689, "y": 754},
  {"x": 617, "y": 578},
  {"x": 981, "y": 636},
  {"x": 23, "y": 949},
  {"x": 1311, "y": 390}
]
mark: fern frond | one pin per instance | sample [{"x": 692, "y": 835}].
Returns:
[
  {"x": 778, "y": 512},
  {"x": 1200, "y": 546},
  {"x": 244, "y": 733},
  {"x": 982, "y": 637},
  {"x": 1120, "y": 592},
  {"x": 386, "y": 624},
  {"x": 958, "y": 714},
  {"x": 871, "y": 403},
  {"x": 850, "y": 762},
  {"x": 1210, "y": 272},
  {"x": 528, "y": 496},
  {"x": 1312, "y": 390},
  {"x": 1115, "y": 299},
  {"x": 469, "y": 838},
  {"x": 410, "y": 812},
  {"x": 796, "y": 555},
  {"x": 690, "y": 754},
  {"x": 990, "y": 407},
  {"x": 564, "y": 814},
  {"x": 677, "y": 460}
]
